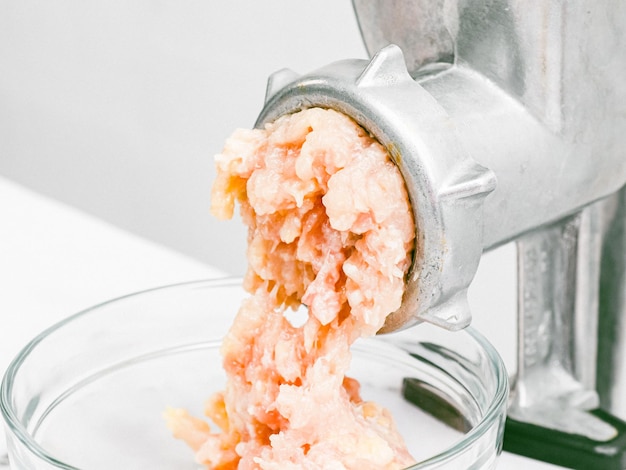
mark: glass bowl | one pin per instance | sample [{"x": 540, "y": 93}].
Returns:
[{"x": 89, "y": 392}]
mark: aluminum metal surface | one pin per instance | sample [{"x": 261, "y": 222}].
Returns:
[
  {"x": 612, "y": 308},
  {"x": 555, "y": 382},
  {"x": 530, "y": 95},
  {"x": 537, "y": 90},
  {"x": 445, "y": 185}
]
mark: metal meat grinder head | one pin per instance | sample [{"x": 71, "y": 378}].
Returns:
[{"x": 507, "y": 119}]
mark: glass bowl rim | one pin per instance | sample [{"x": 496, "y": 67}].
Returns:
[{"x": 16, "y": 427}]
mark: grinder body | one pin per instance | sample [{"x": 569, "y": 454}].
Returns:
[{"x": 507, "y": 119}]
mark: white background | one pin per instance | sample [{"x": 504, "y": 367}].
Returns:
[{"x": 117, "y": 108}]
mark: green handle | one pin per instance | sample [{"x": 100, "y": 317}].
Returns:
[{"x": 568, "y": 450}]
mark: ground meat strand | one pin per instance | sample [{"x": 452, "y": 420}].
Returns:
[{"x": 330, "y": 227}]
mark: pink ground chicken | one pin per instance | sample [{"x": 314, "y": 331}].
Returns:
[{"x": 330, "y": 227}]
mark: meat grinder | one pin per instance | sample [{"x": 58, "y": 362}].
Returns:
[{"x": 507, "y": 119}]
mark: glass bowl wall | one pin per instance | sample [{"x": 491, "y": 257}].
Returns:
[{"x": 89, "y": 392}]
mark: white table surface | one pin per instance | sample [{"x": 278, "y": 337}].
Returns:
[{"x": 55, "y": 261}]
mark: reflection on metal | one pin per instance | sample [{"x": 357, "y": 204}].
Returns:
[{"x": 612, "y": 337}]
